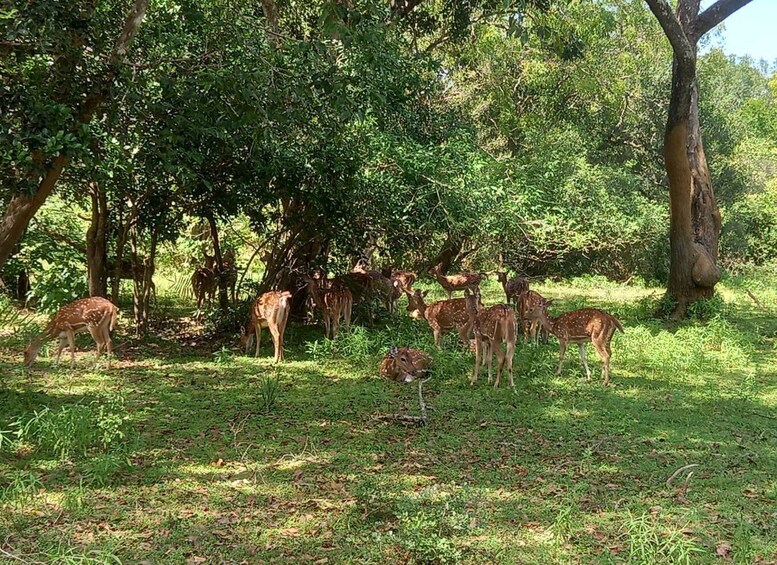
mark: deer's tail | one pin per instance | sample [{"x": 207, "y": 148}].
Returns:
[
  {"x": 618, "y": 324},
  {"x": 114, "y": 317}
]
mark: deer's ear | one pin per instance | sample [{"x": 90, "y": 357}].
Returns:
[{"x": 393, "y": 351}]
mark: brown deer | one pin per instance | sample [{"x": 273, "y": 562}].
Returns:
[
  {"x": 532, "y": 328},
  {"x": 580, "y": 327},
  {"x": 96, "y": 315},
  {"x": 514, "y": 288},
  {"x": 334, "y": 303},
  {"x": 492, "y": 326},
  {"x": 405, "y": 364},
  {"x": 387, "y": 289},
  {"x": 451, "y": 283},
  {"x": 270, "y": 310},
  {"x": 227, "y": 276},
  {"x": 442, "y": 316}
]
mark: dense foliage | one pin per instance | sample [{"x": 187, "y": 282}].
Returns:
[{"x": 526, "y": 132}]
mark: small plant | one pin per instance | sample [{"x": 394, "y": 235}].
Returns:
[
  {"x": 222, "y": 356},
  {"x": 268, "y": 393},
  {"x": 708, "y": 308},
  {"x": 21, "y": 489},
  {"x": 650, "y": 544}
]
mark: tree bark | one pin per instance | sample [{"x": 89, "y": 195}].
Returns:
[
  {"x": 142, "y": 287},
  {"x": 96, "y": 243},
  {"x": 694, "y": 224},
  {"x": 23, "y": 207},
  {"x": 219, "y": 267}
]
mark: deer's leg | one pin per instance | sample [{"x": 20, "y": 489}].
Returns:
[
  {"x": 489, "y": 347},
  {"x": 562, "y": 346},
  {"x": 510, "y": 353},
  {"x": 336, "y": 323},
  {"x": 348, "y": 309},
  {"x": 276, "y": 340},
  {"x": 581, "y": 348},
  {"x": 71, "y": 338},
  {"x": 327, "y": 322},
  {"x": 604, "y": 351},
  {"x": 478, "y": 360},
  {"x": 258, "y": 332},
  {"x": 97, "y": 336},
  {"x": 60, "y": 347},
  {"x": 437, "y": 337},
  {"x": 108, "y": 342}
]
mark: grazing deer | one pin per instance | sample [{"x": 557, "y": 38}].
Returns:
[
  {"x": 492, "y": 326},
  {"x": 514, "y": 288},
  {"x": 580, "y": 327},
  {"x": 96, "y": 315},
  {"x": 442, "y": 316},
  {"x": 405, "y": 364},
  {"x": 334, "y": 302},
  {"x": 270, "y": 310},
  {"x": 532, "y": 328},
  {"x": 468, "y": 281}
]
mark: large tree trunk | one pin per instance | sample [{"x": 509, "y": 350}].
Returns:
[
  {"x": 96, "y": 243},
  {"x": 694, "y": 225}
]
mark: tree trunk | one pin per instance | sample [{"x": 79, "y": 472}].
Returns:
[
  {"x": 96, "y": 243},
  {"x": 141, "y": 295},
  {"x": 219, "y": 267},
  {"x": 449, "y": 253},
  {"x": 23, "y": 207}
]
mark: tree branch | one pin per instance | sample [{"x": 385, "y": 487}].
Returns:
[
  {"x": 401, "y": 8},
  {"x": 715, "y": 14},
  {"x": 682, "y": 48}
]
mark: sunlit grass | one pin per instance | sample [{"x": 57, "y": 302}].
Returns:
[{"x": 223, "y": 457}]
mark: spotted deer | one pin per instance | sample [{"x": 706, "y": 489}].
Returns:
[
  {"x": 533, "y": 329},
  {"x": 451, "y": 283},
  {"x": 405, "y": 364},
  {"x": 334, "y": 303},
  {"x": 442, "y": 316},
  {"x": 270, "y": 310},
  {"x": 580, "y": 327},
  {"x": 96, "y": 315},
  {"x": 514, "y": 289},
  {"x": 492, "y": 326}
]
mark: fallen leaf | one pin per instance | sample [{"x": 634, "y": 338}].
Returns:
[{"x": 723, "y": 549}]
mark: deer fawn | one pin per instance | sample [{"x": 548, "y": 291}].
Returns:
[
  {"x": 270, "y": 310},
  {"x": 405, "y": 364},
  {"x": 580, "y": 327},
  {"x": 204, "y": 282},
  {"x": 442, "y": 316},
  {"x": 97, "y": 315},
  {"x": 470, "y": 281},
  {"x": 334, "y": 303},
  {"x": 492, "y": 326}
]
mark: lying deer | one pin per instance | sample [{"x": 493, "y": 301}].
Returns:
[
  {"x": 442, "y": 316},
  {"x": 96, "y": 315},
  {"x": 580, "y": 327},
  {"x": 514, "y": 288},
  {"x": 270, "y": 310},
  {"x": 492, "y": 326},
  {"x": 334, "y": 303},
  {"x": 405, "y": 364},
  {"x": 468, "y": 281}
]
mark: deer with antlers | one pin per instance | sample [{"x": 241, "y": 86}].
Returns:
[
  {"x": 580, "y": 327},
  {"x": 442, "y": 316},
  {"x": 270, "y": 310},
  {"x": 451, "y": 283},
  {"x": 96, "y": 315},
  {"x": 334, "y": 303},
  {"x": 492, "y": 326}
]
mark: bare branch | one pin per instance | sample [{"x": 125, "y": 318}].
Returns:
[
  {"x": 715, "y": 14},
  {"x": 682, "y": 48}
]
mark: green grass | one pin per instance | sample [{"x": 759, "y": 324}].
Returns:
[{"x": 187, "y": 452}]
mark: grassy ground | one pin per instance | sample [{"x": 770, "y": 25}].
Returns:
[{"x": 189, "y": 453}]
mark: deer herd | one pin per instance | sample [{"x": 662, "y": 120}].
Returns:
[{"x": 525, "y": 311}]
